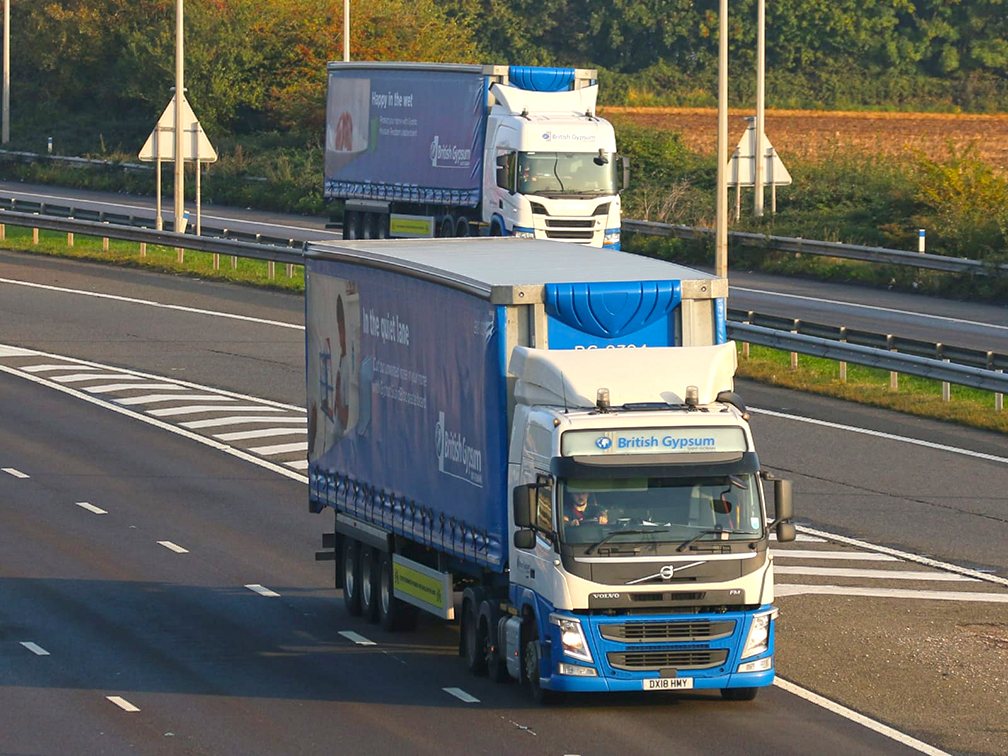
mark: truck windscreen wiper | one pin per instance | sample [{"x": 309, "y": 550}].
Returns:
[
  {"x": 623, "y": 532},
  {"x": 702, "y": 533}
]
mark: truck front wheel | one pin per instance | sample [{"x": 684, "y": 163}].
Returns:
[
  {"x": 739, "y": 694},
  {"x": 531, "y": 666}
]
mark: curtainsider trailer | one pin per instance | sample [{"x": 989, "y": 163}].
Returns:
[
  {"x": 433, "y": 149},
  {"x": 544, "y": 442}
]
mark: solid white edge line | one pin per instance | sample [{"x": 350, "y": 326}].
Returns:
[
  {"x": 151, "y": 376},
  {"x": 122, "y": 703},
  {"x": 360, "y": 640},
  {"x": 861, "y": 719},
  {"x": 905, "y": 555},
  {"x": 173, "y": 547},
  {"x": 262, "y": 591},
  {"x": 461, "y": 695},
  {"x": 90, "y": 508},
  {"x": 35, "y": 648},
  {"x": 151, "y": 303},
  {"x": 820, "y": 589},
  {"x": 15, "y": 472},
  {"x": 287, "y": 472},
  {"x": 881, "y": 434}
]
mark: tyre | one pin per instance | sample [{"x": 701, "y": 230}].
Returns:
[
  {"x": 496, "y": 664},
  {"x": 530, "y": 665},
  {"x": 739, "y": 694},
  {"x": 447, "y": 227},
  {"x": 462, "y": 227},
  {"x": 351, "y": 225},
  {"x": 350, "y": 574},
  {"x": 372, "y": 221},
  {"x": 474, "y": 639},
  {"x": 369, "y": 583},
  {"x": 393, "y": 614},
  {"x": 383, "y": 226},
  {"x": 495, "y": 229}
]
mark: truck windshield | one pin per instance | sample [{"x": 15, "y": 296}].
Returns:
[
  {"x": 659, "y": 510},
  {"x": 573, "y": 174}
]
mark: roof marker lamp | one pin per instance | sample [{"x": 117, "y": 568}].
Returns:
[
  {"x": 602, "y": 400},
  {"x": 692, "y": 396}
]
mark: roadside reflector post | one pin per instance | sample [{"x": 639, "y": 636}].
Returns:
[
  {"x": 920, "y": 240},
  {"x": 271, "y": 266},
  {"x": 946, "y": 388},
  {"x": 234, "y": 262},
  {"x": 843, "y": 364},
  {"x": 794, "y": 355},
  {"x": 143, "y": 249},
  {"x": 290, "y": 270},
  {"x": 216, "y": 261},
  {"x": 104, "y": 243},
  {"x": 893, "y": 375},
  {"x": 3, "y": 231},
  {"x": 34, "y": 236},
  {"x": 70, "y": 239},
  {"x": 999, "y": 397}
]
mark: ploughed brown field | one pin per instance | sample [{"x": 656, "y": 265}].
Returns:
[{"x": 812, "y": 133}]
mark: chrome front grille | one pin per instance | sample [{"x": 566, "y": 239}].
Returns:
[
  {"x": 655, "y": 660},
  {"x": 650, "y": 632}
]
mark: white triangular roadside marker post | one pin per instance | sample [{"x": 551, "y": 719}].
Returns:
[
  {"x": 742, "y": 171},
  {"x": 195, "y": 149}
]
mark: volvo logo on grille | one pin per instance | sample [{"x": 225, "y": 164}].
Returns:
[{"x": 665, "y": 573}]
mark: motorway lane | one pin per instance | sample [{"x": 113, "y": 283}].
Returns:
[
  {"x": 216, "y": 668},
  {"x": 966, "y": 324}
]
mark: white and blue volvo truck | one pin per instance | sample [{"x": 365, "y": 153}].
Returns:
[
  {"x": 448, "y": 150},
  {"x": 543, "y": 442}
]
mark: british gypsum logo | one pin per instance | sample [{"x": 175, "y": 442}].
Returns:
[
  {"x": 448, "y": 155},
  {"x": 454, "y": 452}
]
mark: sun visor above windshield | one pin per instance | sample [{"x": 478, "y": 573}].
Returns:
[
  {"x": 572, "y": 377},
  {"x": 516, "y": 100}
]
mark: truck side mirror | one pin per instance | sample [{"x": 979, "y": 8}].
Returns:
[
  {"x": 524, "y": 539},
  {"x": 783, "y": 505},
  {"x": 785, "y": 532},
  {"x": 524, "y": 499}
]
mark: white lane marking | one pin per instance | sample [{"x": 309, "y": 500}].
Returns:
[
  {"x": 298, "y": 464},
  {"x": 801, "y": 538},
  {"x": 54, "y": 366},
  {"x": 91, "y": 508},
  {"x": 255, "y": 587},
  {"x": 173, "y": 547},
  {"x": 193, "y": 409},
  {"x": 301, "y": 446},
  {"x": 161, "y": 425},
  {"x": 844, "y": 572},
  {"x": 240, "y": 420},
  {"x": 131, "y": 386},
  {"x": 151, "y": 303},
  {"x": 15, "y": 472},
  {"x": 461, "y": 695},
  {"x": 78, "y": 377},
  {"x": 880, "y": 434},
  {"x": 860, "y": 719},
  {"x": 360, "y": 640},
  {"x": 890, "y": 310},
  {"x": 12, "y": 351},
  {"x": 158, "y": 398},
  {"x": 852, "y": 556},
  {"x": 906, "y": 556},
  {"x": 122, "y": 703},
  {"x": 261, "y": 433},
  {"x": 35, "y": 648},
  {"x": 795, "y": 589}
]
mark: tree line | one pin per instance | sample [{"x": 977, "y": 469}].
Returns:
[{"x": 259, "y": 66}]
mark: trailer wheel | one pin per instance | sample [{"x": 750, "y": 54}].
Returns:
[
  {"x": 530, "y": 665},
  {"x": 447, "y": 227},
  {"x": 369, "y": 583},
  {"x": 351, "y": 225},
  {"x": 350, "y": 573},
  {"x": 474, "y": 639},
  {"x": 383, "y": 226},
  {"x": 739, "y": 694},
  {"x": 393, "y": 614},
  {"x": 371, "y": 223}
]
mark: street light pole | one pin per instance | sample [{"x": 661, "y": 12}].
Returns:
[
  {"x": 179, "y": 94},
  {"x": 721, "y": 239},
  {"x": 5, "y": 136},
  {"x": 346, "y": 30},
  {"x": 759, "y": 179}
]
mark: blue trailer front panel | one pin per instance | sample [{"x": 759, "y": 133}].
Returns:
[
  {"x": 405, "y": 395},
  {"x": 394, "y": 134}
]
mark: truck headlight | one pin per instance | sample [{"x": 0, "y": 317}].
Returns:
[
  {"x": 572, "y": 637},
  {"x": 523, "y": 233},
  {"x": 758, "y": 640}
]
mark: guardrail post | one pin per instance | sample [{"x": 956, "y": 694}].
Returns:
[
  {"x": 794, "y": 355},
  {"x": 843, "y": 363},
  {"x": 893, "y": 375},
  {"x": 70, "y": 239}
]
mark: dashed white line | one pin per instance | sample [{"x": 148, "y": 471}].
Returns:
[
  {"x": 78, "y": 377},
  {"x": 55, "y": 366},
  {"x": 461, "y": 695},
  {"x": 15, "y": 472},
  {"x": 192, "y": 409},
  {"x": 35, "y": 648},
  {"x": 255, "y": 587},
  {"x": 360, "y": 640},
  {"x": 240, "y": 420},
  {"x": 156, "y": 398},
  {"x": 91, "y": 508},
  {"x": 122, "y": 703},
  {"x": 131, "y": 386},
  {"x": 844, "y": 572},
  {"x": 261, "y": 433},
  {"x": 851, "y": 556},
  {"x": 173, "y": 547},
  {"x": 280, "y": 448},
  {"x": 298, "y": 464},
  {"x": 860, "y": 719},
  {"x": 793, "y": 589}
]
